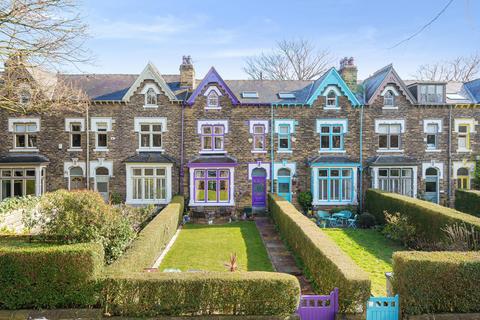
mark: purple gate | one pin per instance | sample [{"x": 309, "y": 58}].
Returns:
[{"x": 315, "y": 307}]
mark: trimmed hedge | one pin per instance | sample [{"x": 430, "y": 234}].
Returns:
[
  {"x": 428, "y": 218},
  {"x": 151, "y": 240},
  {"x": 201, "y": 293},
  {"x": 468, "y": 201},
  {"x": 35, "y": 275},
  {"x": 437, "y": 282},
  {"x": 328, "y": 265}
]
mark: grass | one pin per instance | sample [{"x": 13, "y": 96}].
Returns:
[
  {"x": 208, "y": 248},
  {"x": 370, "y": 250}
]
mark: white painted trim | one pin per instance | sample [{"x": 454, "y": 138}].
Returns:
[
  {"x": 279, "y": 165},
  {"x": 252, "y": 123},
  {"x": 470, "y": 165},
  {"x": 264, "y": 165},
  {"x": 138, "y": 121},
  {"x": 390, "y": 150},
  {"x": 150, "y": 86},
  {"x": 68, "y": 121},
  {"x": 468, "y": 121},
  {"x": 154, "y": 149},
  {"x": 374, "y": 174},
  {"x": 212, "y": 204},
  {"x": 433, "y": 164},
  {"x": 74, "y": 150},
  {"x": 343, "y": 122},
  {"x": 67, "y": 165},
  {"x": 289, "y": 122},
  {"x": 438, "y": 122},
  {"x": 401, "y": 122},
  {"x": 332, "y": 151},
  {"x": 24, "y": 150},
  {"x": 13, "y": 121},
  {"x": 129, "y": 186},
  {"x": 390, "y": 88},
  {"x": 330, "y": 88},
  {"x": 212, "y": 122},
  {"x": 213, "y": 88},
  {"x": 94, "y": 121},
  {"x": 94, "y": 164}
]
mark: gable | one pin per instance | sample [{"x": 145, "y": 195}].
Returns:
[
  {"x": 390, "y": 77},
  {"x": 332, "y": 79},
  {"x": 150, "y": 73},
  {"x": 212, "y": 77}
]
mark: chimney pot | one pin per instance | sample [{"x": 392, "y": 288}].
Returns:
[
  {"x": 348, "y": 70},
  {"x": 187, "y": 73}
]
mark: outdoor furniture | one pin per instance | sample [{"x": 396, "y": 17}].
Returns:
[
  {"x": 322, "y": 218},
  {"x": 352, "y": 223},
  {"x": 343, "y": 216},
  {"x": 329, "y": 221}
]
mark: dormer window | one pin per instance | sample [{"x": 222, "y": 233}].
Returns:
[
  {"x": 389, "y": 99},
  {"x": 151, "y": 97},
  {"x": 331, "y": 99},
  {"x": 212, "y": 100},
  {"x": 431, "y": 94}
]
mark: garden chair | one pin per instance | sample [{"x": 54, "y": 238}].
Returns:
[
  {"x": 343, "y": 216},
  {"x": 322, "y": 218},
  {"x": 329, "y": 220},
  {"x": 352, "y": 223}
]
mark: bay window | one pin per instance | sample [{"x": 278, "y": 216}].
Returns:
[
  {"x": 211, "y": 185},
  {"x": 149, "y": 183},
  {"x": 335, "y": 185},
  {"x": 17, "y": 182},
  {"x": 396, "y": 180}
]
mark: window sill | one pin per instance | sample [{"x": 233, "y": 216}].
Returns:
[
  {"x": 212, "y": 151},
  {"x": 330, "y": 203},
  {"x": 332, "y": 151},
  {"x": 464, "y": 150},
  {"x": 211, "y": 204},
  {"x": 74, "y": 149},
  {"x": 213, "y": 108},
  {"x": 389, "y": 108},
  {"x": 24, "y": 150},
  {"x": 331, "y": 108},
  {"x": 259, "y": 151},
  {"x": 433, "y": 150},
  {"x": 150, "y": 150},
  {"x": 285, "y": 151},
  {"x": 101, "y": 150},
  {"x": 149, "y": 201},
  {"x": 150, "y": 106},
  {"x": 390, "y": 150}
]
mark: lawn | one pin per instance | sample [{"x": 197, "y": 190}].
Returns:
[
  {"x": 208, "y": 248},
  {"x": 370, "y": 250}
]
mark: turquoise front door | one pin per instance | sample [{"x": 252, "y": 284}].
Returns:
[
  {"x": 284, "y": 184},
  {"x": 431, "y": 185}
]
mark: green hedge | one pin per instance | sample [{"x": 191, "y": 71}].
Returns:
[
  {"x": 437, "y": 282},
  {"x": 151, "y": 240},
  {"x": 35, "y": 275},
  {"x": 327, "y": 264},
  {"x": 428, "y": 218},
  {"x": 203, "y": 293},
  {"x": 468, "y": 201}
]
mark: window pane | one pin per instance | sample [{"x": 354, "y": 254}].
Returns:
[
  {"x": 160, "y": 172},
  {"x": 212, "y": 191},
  {"x": 337, "y": 129},
  {"x": 20, "y": 128},
  {"x": 284, "y": 129},
  {"x": 30, "y": 173},
  {"x": 395, "y": 128},
  {"x": 161, "y": 192},
  {"x": 322, "y": 173},
  {"x": 101, "y": 139},
  {"x": 406, "y": 172},
  {"x": 148, "y": 172},
  {"x": 145, "y": 127},
  {"x": 218, "y": 129},
  {"x": 284, "y": 143},
  {"x": 334, "y": 189},
  {"x": 200, "y": 190},
  {"x": 207, "y": 129},
  {"x": 101, "y": 126},
  {"x": 76, "y": 140},
  {"x": 218, "y": 143},
  {"x": 32, "y": 141},
  {"x": 394, "y": 172},
  {"x": 258, "y": 142},
  {"x": 6, "y": 173},
  {"x": 6, "y": 189},
  {"x": 137, "y": 172},
  {"x": 325, "y": 129},
  {"x": 157, "y": 140},
  {"x": 325, "y": 142},
  {"x": 207, "y": 143},
  {"x": 199, "y": 173},
  {"x": 430, "y": 186},
  {"x": 212, "y": 173},
  {"x": 334, "y": 173},
  {"x": 145, "y": 140},
  {"x": 18, "y": 188},
  {"x": 394, "y": 141},
  {"x": 323, "y": 189},
  {"x": 462, "y": 143},
  {"x": 19, "y": 173},
  {"x": 157, "y": 127},
  {"x": 346, "y": 172},
  {"x": 431, "y": 140},
  {"x": 258, "y": 129},
  {"x": 224, "y": 190},
  {"x": 432, "y": 128},
  {"x": 283, "y": 187},
  {"x": 462, "y": 129},
  {"x": 224, "y": 173},
  {"x": 148, "y": 188},
  {"x": 102, "y": 186},
  {"x": 137, "y": 188},
  {"x": 20, "y": 141},
  {"x": 336, "y": 142},
  {"x": 383, "y": 128}
]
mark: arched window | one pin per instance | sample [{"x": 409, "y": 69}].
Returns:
[
  {"x": 389, "y": 99},
  {"x": 212, "y": 99},
  {"x": 331, "y": 99},
  {"x": 463, "y": 178},
  {"x": 101, "y": 171},
  {"x": 76, "y": 180},
  {"x": 259, "y": 172},
  {"x": 284, "y": 172},
  {"x": 431, "y": 172},
  {"x": 151, "y": 97}
]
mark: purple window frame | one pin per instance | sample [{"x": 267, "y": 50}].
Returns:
[
  {"x": 212, "y": 137},
  {"x": 258, "y": 136},
  {"x": 205, "y": 178}
]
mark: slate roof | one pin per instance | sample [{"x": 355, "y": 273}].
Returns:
[
  {"x": 217, "y": 159},
  {"x": 150, "y": 157},
  {"x": 371, "y": 83},
  {"x": 331, "y": 159},
  {"x": 473, "y": 88},
  {"x": 392, "y": 160},
  {"x": 23, "y": 158}
]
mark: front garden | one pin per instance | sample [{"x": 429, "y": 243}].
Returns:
[{"x": 210, "y": 247}]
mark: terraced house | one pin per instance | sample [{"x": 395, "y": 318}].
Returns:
[{"x": 226, "y": 143}]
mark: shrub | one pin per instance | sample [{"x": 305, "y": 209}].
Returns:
[
  {"x": 151, "y": 240},
  {"x": 353, "y": 209},
  {"x": 116, "y": 198},
  {"x": 305, "y": 200},
  {"x": 462, "y": 238},
  {"x": 137, "y": 217},
  {"x": 327, "y": 264},
  {"x": 399, "y": 228},
  {"x": 221, "y": 293},
  {"x": 83, "y": 216},
  {"x": 428, "y": 218},
  {"x": 36, "y": 275},
  {"x": 468, "y": 201},
  {"x": 366, "y": 220},
  {"x": 437, "y": 282}
]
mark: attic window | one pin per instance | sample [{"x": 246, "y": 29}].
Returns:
[
  {"x": 286, "y": 95},
  {"x": 250, "y": 94},
  {"x": 25, "y": 96},
  {"x": 151, "y": 97}
]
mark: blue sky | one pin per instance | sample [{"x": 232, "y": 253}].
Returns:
[{"x": 127, "y": 34}]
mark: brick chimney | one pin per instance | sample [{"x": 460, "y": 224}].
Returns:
[
  {"x": 348, "y": 71},
  {"x": 187, "y": 73}
]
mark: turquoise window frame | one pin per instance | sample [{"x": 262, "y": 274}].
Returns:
[
  {"x": 284, "y": 135},
  {"x": 340, "y": 179},
  {"x": 331, "y": 134}
]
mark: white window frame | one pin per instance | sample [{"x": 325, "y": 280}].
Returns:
[
  {"x": 168, "y": 183},
  {"x": 144, "y": 91},
  {"x": 13, "y": 122},
  {"x": 379, "y": 122},
  {"x": 395, "y": 94},
  {"x": 375, "y": 176},
  {"x": 39, "y": 178},
  {"x": 231, "y": 186},
  {"x": 72, "y": 133},
  {"x": 139, "y": 121},
  {"x": 208, "y": 92},
  {"x": 438, "y": 123},
  {"x": 337, "y": 93}
]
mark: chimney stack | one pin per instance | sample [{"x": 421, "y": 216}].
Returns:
[
  {"x": 348, "y": 71},
  {"x": 187, "y": 73}
]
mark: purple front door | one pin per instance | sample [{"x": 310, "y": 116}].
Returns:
[{"x": 259, "y": 188}]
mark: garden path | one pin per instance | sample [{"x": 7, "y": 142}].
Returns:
[{"x": 281, "y": 258}]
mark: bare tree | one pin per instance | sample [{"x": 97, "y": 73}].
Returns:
[
  {"x": 47, "y": 32},
  {"x": 459, "y": 69},
  {"x": 289, "y": 60}
]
